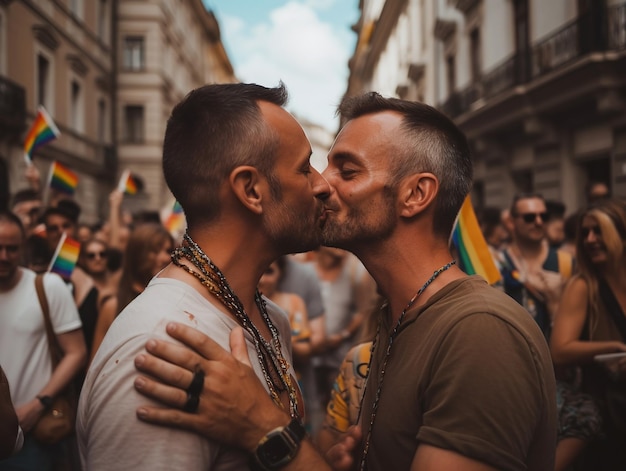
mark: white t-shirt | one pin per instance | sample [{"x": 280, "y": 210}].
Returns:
[
  {"x": 24, "y": 352},
  {"x": 109, "y": 434}
]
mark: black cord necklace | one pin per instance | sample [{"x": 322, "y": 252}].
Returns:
[{"x": 381, "y": 377}]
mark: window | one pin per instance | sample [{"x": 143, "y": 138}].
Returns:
[
  {"x": 103, "y": 20},
  {"x": 133, "y": 119},
  {"x": 475, "y": 54},
  {"x": 76, "y": 106},
  {"x": 522, "y": 60},
  {"x": 102, "y": 123},
  {"x": 133, "y": 53},
  {"x": 43, "y": 81},
  {"x": 3, "y": 53},
  {"x": 450, "y": 74}
]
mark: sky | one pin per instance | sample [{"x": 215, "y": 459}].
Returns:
[{"x": 304, "y": 43}]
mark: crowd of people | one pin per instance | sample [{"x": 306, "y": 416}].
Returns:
[{"x": 316, "y": 321}]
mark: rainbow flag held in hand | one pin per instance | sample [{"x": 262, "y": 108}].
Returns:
[
  {"x": 469, "y": 241},
  {"x": 42, "y": 131},
  {"x": 128, "y": 183},
  {"x": 174, "y": 219},
  {"x": 62, "y": 178},
  {"x": 65, "y": 257}
]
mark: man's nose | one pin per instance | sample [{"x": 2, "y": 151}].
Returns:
[{"x": 321, "y": 186}]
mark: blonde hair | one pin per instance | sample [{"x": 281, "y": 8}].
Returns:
[{"x": 610, "y": 214}]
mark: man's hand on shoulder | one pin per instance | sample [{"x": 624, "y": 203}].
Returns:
[{"x": 234, "y": 406}]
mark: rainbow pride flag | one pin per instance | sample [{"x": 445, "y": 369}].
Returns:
[
  {"x": 174, "y": 220},
  {"x": 42, "y": 131},
  {"x": 471, "y": 246},
  {"x": 65, "y": 257},
  {"x": 128, "y": 184},
  {"x": 62, "y": 178}
]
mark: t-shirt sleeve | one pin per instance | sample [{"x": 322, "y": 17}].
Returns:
[
  {"x": 111, "y": 436},
  {"x": 484, "y": 398},
  {"x": 63, "y": 312},
  {"x": 313, "y": 298}
]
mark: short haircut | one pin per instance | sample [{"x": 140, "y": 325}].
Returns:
[
  {"x": 556, "y": 209},
  {"x": 66, "y": 208},
  {"x": 489, "y": 218},
  {"x": 12, "y": 218},
  {"x": 434, "y": 144},
  {"x": 524, "y": 196},
  {"x": 215, "y": 129},
  {"x": 25, "y": 195}
]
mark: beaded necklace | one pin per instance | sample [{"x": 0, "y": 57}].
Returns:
[
  {"x": 269, "y": 355},
  {"x": 392, "y": 336}
]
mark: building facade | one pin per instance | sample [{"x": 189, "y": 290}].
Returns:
[
  {"x": 166, "y": 48},
  {"x": 539, "y": 88},
  {"x": 59, "y": 54},
  {"x": 108, "y": 72}
]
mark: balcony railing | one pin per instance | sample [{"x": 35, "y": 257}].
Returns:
[
  {"x": 557, "y": 50},
  {"x": 605, "y": 31},
  {"x": 12, "y": 107}
]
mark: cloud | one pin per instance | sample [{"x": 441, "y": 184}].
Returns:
[{"x": 296, "y": 46}]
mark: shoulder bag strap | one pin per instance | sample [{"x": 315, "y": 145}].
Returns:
[{"x": 53, "y": 345}]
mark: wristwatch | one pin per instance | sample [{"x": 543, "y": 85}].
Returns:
[
  {"x": 280, "y": 446},
  {"x": 46, "y": 401}
]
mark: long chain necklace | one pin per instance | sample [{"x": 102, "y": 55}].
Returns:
[
  {"x": 269, "y": 355},
  {"x": 392, "y": 336}
]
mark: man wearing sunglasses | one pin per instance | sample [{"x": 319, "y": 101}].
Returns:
[{"x": 533, "y": 272}]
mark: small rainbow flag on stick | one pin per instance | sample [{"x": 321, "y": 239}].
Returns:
[
  {"x": 42, "y": 131},
  {"x": 62, "y": 178},
  {"x": 174, "y": 220},
  {"x": 127, "y": 184},
  {"x": 473, "y": 252},
  {"x": 65, "y": 257}
]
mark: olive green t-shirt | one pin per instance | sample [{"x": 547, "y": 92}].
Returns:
[{"x": 469, "y": 371}]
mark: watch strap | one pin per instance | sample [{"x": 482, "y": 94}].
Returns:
[{"x": 296, "y": 430}]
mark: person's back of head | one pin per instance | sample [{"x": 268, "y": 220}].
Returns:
[
  {"x": 433, "y": 144},
  {"x": 138, "y": 263},
  {"x": 597, "y": 190},
  {"x": 213, "y": 130},
  {"x": 66, "y": 208}
]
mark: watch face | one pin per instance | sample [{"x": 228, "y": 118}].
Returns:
[{"x": 274, "y": 450}]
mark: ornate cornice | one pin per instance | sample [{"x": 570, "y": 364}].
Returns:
[
  {"x": 444, "y": 29},
  {"x": 76, "y": 64},
  {"x": 465, "y": 5},
  {"x": 44, "y": 34},
  {"x": 416, "y": 71}
]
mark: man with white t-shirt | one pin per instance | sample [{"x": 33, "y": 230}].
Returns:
[
  {"x": 238, "y": 164},
  {"x": 24, "y": 352}
]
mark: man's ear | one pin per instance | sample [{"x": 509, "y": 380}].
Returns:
[
  {"x": 245, "y": 183},
  {"x": 417, "y": 192}
]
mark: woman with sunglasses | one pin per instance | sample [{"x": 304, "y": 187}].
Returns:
[
  {"x": 93, "y": 261},
  {"x": 147, "y": 253},
  {"x": 590, "y": 327}
]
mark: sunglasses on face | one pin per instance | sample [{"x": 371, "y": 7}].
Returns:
[
  {"x": 585, "y": 231},
  {"x": 532, "y": 217},
  {"x": 94, "y": 255}
]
